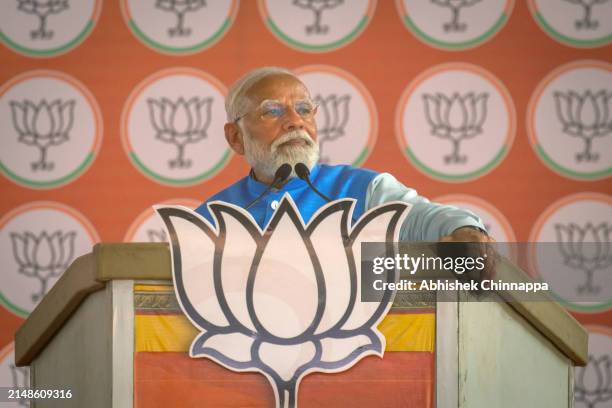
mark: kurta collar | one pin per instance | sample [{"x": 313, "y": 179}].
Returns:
[{"x": 255, "y": 187}]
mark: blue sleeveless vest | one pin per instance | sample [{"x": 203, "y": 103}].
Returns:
[{"x": 333, "y": 181}]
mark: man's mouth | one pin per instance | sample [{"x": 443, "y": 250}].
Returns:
[{"x": 295, "y": 142}]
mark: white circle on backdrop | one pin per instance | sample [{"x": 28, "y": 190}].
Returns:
[
  {"x": 34, "y": 29},
  {"x": 38, "y": 241},
  {"x": 455, "y": 122},
  {"x": 570, "y": 120},
  {"x": 172, "y": 127},
  {"x": 316, "y": 26},
  {"x": 571, "y": 24},
  {"x": 475, "y": 23},
  {"x": 52, "y": 129},
  {"x": 176, "y": 28},
  {"x": 570, "y": 237}
]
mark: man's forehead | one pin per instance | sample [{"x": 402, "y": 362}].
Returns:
[{"x": 277, "y": 87}]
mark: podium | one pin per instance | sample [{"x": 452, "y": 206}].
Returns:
[{"x": 111, "y": 331}]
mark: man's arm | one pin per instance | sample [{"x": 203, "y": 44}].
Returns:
[{"x": 427, "y": 221}]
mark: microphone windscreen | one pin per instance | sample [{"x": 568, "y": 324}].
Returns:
[
  {"x": 302, "y": 171},
  {"x": 282, "y": 172}
]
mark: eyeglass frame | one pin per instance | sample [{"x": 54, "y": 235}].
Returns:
[{"x": 310, "y": 101}]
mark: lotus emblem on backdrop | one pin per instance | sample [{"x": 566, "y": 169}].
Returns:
[
  {"x": 180, "y": 8},
  {"x": 586, "y": 22},
  {"x": 587, "y": 116},
  {"x": 283, "y": 301},
  {"x": 593, "y": 385},
  {"x": 180, "y": 123},
  {"x": 42, "y": 9},
  {"x": 43, "y": 125},
  {"x": 317, "y": 7},
  {"x": 332, "y": 119},
  {"x": 316, "y": 25},
  {"x": 587, "y": 249},
  {"x": 576, "y": 23},
  {"x": 455, "y": 6},
  {"x": 38, "y": 241},
  {"x": 43, "y": 256},
  {"x": 455, "y": 24},
  {"x": 456, "y": 118},
  {"x": 569, "y": 119}
]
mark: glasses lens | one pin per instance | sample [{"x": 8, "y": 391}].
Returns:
[
  {"x": 305, "y": 109},
  {"x": 272, "y": 111}
]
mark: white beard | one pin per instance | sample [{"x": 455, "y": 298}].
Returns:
[{"x": 266, "y": 160}]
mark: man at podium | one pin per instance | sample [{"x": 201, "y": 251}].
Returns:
[{"x": 271, "y": 121}]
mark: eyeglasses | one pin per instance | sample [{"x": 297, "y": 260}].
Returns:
[{"x": 271, "y": 111}]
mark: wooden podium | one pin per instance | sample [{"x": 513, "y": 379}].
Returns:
[{"x": 111, "y": 331}]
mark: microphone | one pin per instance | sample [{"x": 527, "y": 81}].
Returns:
[
  {"x": 282, "y": 173},
  {"x": 302, "y": 171}
]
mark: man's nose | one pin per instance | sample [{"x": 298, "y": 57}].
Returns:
[{"x": 292, "y": 121}]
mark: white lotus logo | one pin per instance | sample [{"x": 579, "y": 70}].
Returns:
[{"x": 283, "y": 301}]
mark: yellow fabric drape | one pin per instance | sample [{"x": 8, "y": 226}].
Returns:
[{"x": 170, "y": 332}]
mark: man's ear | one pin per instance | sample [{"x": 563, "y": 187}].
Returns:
[{"x": 234, "y": 136}]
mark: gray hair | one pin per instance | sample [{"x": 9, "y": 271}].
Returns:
[{"x": 236, "y": 102}]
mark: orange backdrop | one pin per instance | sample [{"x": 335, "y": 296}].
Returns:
[{"x": 384, "y": 55}]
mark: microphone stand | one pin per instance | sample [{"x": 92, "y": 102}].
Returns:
[
  {"x": 303, "y": 172},
  {"x": 282, "y": 173}
]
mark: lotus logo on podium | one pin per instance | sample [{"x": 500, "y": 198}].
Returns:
[{"x": 283, "y": 301}]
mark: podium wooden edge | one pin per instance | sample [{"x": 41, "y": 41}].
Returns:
[
  {"x": 151, "y": 261},
  {"x": 77, "y": 282},
  {"x": 87, "y": 274},
  {"x": 547, "y": 316},
  {"x": 145, "y": 261}
]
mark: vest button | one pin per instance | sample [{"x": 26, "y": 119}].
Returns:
[{"x": 274, "y": 205}]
